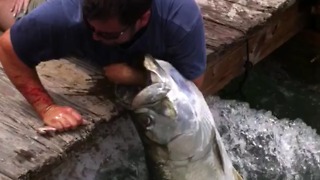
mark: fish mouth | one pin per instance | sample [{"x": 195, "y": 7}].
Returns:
[
  {"x": 156, "y": 88},
  {"x": 150, "y": 95},
  {"x": 176, "y": 137},
  {"x": 156, "y": 73},
  {"x": 124, "y": 95}
]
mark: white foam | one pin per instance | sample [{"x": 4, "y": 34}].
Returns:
[{"x": 264, "y": 147}]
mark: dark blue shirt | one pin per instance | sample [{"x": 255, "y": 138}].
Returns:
[{"x": 55, "y": 29}]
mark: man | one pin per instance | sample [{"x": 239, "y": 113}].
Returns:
[{"x": 111, "y": 33}]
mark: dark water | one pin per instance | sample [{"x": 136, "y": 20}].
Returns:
[
  {"x": 282, "y": 140},
  {"x": 286, "y": 83}
]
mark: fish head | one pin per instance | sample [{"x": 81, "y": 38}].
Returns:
[
  {"x": 161, "y": 111},
  {"x": 173, "y": 120},
  {"x": 161, "y": 118},
  {"x": 157, "y": 121}
]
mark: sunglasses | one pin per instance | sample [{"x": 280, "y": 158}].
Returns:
[{"x": 106, "y": 35}]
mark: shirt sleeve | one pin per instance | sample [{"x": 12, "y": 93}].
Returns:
[
  {"x": 187, "y": 49},
  {"x": 42, "y": 34}
]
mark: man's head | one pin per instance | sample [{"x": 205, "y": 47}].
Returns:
[{"x": 116, "y": 21}]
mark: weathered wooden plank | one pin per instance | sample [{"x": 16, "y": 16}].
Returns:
[
  {"x": 222, "y": 68},
  {"x": 219, "y": 37},
  {"x": 2, "y": 177},
  {"x": 278, "y": 31},
  {"x": 84, "y": 88},
  {"x": 228, "y": 22},
  {"x": 261, "y": 42},
  {"x": 270, "y": 6},
  {"x": 232, "y": 14},
  {"x": 30, "y": 152}
]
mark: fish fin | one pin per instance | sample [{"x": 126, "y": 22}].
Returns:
[
  {"x": 222, "y": 154},
  {"x": 237, "y": 175},
  {"x": 147, "y": 95},
  {"x": 217, "y": 151}
]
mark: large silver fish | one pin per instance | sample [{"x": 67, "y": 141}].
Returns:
[{"x": 176, "y": 127}]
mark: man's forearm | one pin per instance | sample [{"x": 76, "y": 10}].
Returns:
[
  {"x": 31, "y": 88},
  {"x": 25, "y": 79},
  {"x": 199, "y": 81}
]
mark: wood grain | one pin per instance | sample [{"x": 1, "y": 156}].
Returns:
[
  {"x": 231, "y": 26},
  {"x": 23, "y": 151},
  {"x": 256, "y": 29}
]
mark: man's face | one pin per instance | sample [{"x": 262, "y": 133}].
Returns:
[{"x": 111, "y": 32}]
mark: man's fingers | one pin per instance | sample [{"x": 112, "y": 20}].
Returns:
[
  {"x": 63, "y": 118},
  {"x": 66, "y": 123},
  {"x": 56, "y": 124},
  {"x": 46, "y": 129},
  {"x": 85, "y": 122},
  {"x": 13, "y": 5},
  {"x": 75, "y": 114},
  {"x": 71, "y": 120},
  {"x": 25, "y": 5},
  {"x": 19, "y": 6}
]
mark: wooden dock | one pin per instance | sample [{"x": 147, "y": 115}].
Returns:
[{"x": 238, "y": 32}]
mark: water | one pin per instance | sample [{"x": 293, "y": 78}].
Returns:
[
  {"x": 286, "y": 83},
  {"x": 262, "y": 146},
  {"x": 115, "y": 154},
  {"x": 270, "y": 130}
]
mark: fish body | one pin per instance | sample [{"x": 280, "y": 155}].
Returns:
[{"x": 176, "y": 126}]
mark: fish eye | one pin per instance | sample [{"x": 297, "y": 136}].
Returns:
[{"x": 147, "y": 122}]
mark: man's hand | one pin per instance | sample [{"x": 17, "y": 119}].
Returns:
[
  {"x": 19, "y": 6},
  {"x": 62, "y": 118},
  {"x": 122, "y": 73}
]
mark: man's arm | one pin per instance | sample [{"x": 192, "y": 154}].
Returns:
[
  {"x": 199, "y": 81},
  {"x": 27, "y": 82},
  {"x": 188, "y": 55},
  {"x": 122, "y": 73},
  {"x": 41, "y": 35},
  {"x": 25, "y": 79},
  {"x": 185, "y": 41}
]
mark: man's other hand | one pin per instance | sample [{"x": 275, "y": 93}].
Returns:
[
  {"x": 122, "y": 73},
  {"x": 19, "y": 6}
]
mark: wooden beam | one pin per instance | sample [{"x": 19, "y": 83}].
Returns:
[
  {"x": 262, "y": 39},
  {"x": 280, "y": 29},
  {"x": 222, "y": 68}
]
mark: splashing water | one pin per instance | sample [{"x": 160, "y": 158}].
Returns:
[
  {"x": 264, "y": 147},
  {"x": 261, "y": 147}
]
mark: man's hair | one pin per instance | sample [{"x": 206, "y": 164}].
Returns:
[{"x": 126, "y": 11}]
